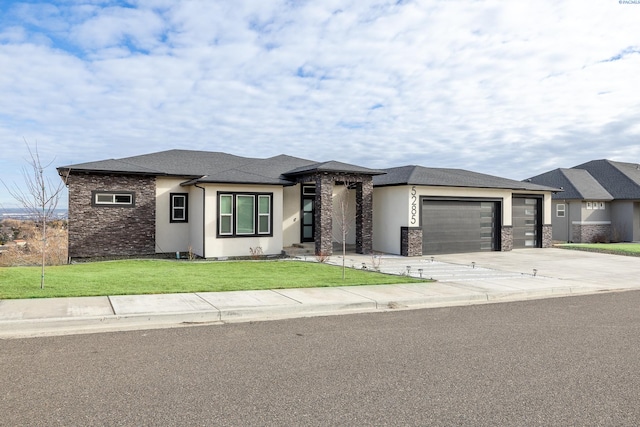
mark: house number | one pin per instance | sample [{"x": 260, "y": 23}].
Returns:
[{"x": 414, "y": 206}]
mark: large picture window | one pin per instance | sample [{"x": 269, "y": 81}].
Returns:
[
  {"x": 244, "y": 214},
  {"x": 179, "y": 206}
]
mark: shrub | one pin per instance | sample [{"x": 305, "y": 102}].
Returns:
[{"x": 600, "y": 238}]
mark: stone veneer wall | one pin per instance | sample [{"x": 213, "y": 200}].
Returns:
[
  {"x": 111, "y": 230},
  {"x": 323, "y": 214},
  {"x": 590, "y": 233},
  {"x": 410, "y": 241},
  {"x": 364, "y": 215},
  {"x": 506, "y": 238},
  {"x": 547, "y": 236}
]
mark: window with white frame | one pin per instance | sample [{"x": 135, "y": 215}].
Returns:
[
  {"x": 113, "y": 198},
  {"x": 560, "y": 210},
  {"x": 179, "y": 207},
  {"x": 245, "y": 214}
]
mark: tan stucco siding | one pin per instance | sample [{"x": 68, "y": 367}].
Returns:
[
  {"x": 240, "y": 246},
  {"x": 291, "y": 215},
  {"x": 391, "y": 211},
  {"x": 171, "y": 237},
  {"x": 197, "y": 230}
]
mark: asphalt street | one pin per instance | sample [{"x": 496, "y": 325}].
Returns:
[{"x": 562, "y": 361}]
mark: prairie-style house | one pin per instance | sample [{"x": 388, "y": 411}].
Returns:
[{"x": 218, "y": 205}]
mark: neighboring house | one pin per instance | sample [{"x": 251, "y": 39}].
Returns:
[
  {"x": 219, "y": 205},
  {"x": 600, "y": 201}
]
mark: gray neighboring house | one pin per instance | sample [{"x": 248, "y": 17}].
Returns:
[
  {"x": 219, "y": 205},
  {"x": 600, "y": 201}
]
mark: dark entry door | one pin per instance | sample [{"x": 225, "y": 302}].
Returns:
[{"x": 308, "y": 214}]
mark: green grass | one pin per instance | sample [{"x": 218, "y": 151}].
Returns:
[
  {"x": 163, "y": 276},
  {"x": 632, "y": 249}
]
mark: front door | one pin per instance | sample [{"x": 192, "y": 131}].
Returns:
[{"x": 308, "y": 213}]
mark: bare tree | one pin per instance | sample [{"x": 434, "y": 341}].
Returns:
[
  {"x": 39, "y": 197},
  {"x": 344, "y": 218}
]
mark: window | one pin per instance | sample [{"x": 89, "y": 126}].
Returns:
[
  {"x": 179, "y": 204},
  {"x": 226, "y": 215},
  {"x": 244, "y": 214},
  {"x": 560, "y": 210},
  {"x": 108, "y": 198},
  {"x": 264, "y": 214}
]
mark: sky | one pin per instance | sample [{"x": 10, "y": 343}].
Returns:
[{"x": 507, "y": 88}]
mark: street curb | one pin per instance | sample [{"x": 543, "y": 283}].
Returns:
[{"x": 25, "y": 328}]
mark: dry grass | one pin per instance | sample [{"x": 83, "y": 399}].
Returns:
[{"x": 31, "y": 252}]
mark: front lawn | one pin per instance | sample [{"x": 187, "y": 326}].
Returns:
[
  {"x": 165, "y": 276},
  {"x": 632, "y": 249}
]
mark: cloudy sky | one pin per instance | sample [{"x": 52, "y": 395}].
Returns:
[{"x": 509, "y": 88}]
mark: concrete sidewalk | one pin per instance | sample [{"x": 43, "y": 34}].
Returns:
[{"x": 461, "y": 279}]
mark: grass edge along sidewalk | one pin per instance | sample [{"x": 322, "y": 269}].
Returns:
[
  {"x": 628, "y": 249},
  {"x": 137, "y": 277}
]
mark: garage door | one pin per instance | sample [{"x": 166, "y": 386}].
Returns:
[
  {"x": 450, "y": 226},
  {"x": 526, "y": 222}
]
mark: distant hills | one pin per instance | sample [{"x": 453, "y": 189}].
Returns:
[{"x": 18, "y": 213}]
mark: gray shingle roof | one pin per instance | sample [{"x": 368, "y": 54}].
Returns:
[
  {"x": 577, "y": 184},
  {"x": 212, "y": 167},
  {"x": 620, "y": 179},
  {"x": 333, "y": 166},
  {"x": 206, "y": 166},
  {"x": 419, "y": 175},
  {"x": 259, "y": 171},
  {"x": 171, "y": 162}
]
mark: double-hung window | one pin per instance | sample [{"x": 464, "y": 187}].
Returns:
[
  {"x": 179, "y": 205},
  {"x": 244, "y": 214}
]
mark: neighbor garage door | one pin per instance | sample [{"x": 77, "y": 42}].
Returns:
[{"x": 450, "y": 226}]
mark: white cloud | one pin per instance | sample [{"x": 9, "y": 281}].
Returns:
[{"x": 507, "y": 88}]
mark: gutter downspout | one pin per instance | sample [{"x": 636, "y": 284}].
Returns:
[
  {"x": 569, "y": 226},
  {"x": 204, "y": 252}
]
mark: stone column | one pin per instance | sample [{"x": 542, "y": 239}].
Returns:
[
  {"x": 364, "y": 215},
  {"x": 323, "y": 214},
  {"x": 506, "y": 238},
  {"x": 411, "y": 241},
  {"x": 547, "y": 236}
]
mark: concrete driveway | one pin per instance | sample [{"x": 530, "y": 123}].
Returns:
[
  {"x": 581, "y": 267},
  {"x": 520, "y": 268}
]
